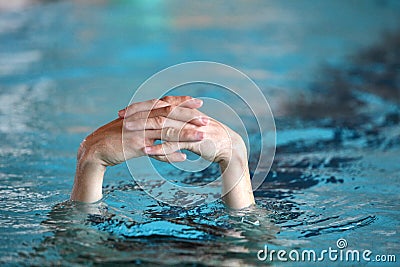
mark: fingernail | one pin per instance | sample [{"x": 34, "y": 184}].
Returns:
[
  {"x": 204, "y": 120},
  {"x": 148, "y": 149},
  {"x": 121, "y": 113},
  {"x": 197, "y": 101}
]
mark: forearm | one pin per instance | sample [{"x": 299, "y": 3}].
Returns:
[
  {"x": 236, "y": 184},
  {"x": 88, "y": 181}
]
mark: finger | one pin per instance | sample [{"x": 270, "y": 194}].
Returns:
[
  {"x": 192, "y": 116},
  {"x": 183, "y": 101},
  {"x": 173, "y": 134},
  {"x": 156, "y": 123},
  {"x": 174, "y": 157},
  {"x": 166, "y": 148},
  {"x": 141, "y": 106}
]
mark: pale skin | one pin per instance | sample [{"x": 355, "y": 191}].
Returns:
[{"x": 176, "y": 121}]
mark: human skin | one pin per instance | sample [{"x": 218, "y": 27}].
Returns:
[{"x": 176, "y": 121}]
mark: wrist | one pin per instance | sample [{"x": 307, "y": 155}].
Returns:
[
  {"x": 237, "y": 155},
  {"x": 88, "y": 162}
]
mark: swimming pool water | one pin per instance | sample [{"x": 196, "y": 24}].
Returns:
[{"x": 328, "y": 71}]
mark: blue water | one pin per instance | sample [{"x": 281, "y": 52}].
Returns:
[{"x": 329, "y": 70}]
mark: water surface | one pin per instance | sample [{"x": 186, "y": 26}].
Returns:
[{"x": 330, "y": 72}]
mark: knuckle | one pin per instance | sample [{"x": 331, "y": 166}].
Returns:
[
  {"x": 154, "y": 102},
  {"x": 166, "y": 146},
  {"x": 187, "y": 134},
  {"x": 168, "y": 110},
  {"x": 130, "y": 110},
  {"x": 189, "y": 146},
  {"x": 196, "y": 114},
  {"x": 169, "y": 132},
  {"x": 186, "y": 98},
  {"x": 167, "y": 98},
  {"x": 171, "y": 147},
  {"x": 138, "y": 115},
  {"x": 159, "y": 120}
]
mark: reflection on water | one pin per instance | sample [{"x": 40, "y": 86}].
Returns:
[{"x": 67, "y": 67}]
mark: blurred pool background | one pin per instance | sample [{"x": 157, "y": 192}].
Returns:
[{"x": 330, "y": 71}]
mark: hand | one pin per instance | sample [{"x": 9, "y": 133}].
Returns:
[
  {"x": 144, "y": 123},
  {"x": 220, "y": 144},
  {"x": 176, "y": 121}
]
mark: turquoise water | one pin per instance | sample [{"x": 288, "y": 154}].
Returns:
[{"x": 330, "y": 71}]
